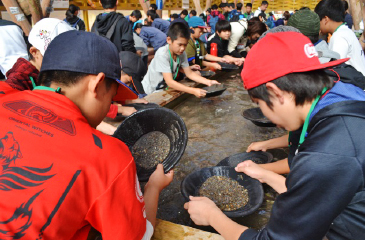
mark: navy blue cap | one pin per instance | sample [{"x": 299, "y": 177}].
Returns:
[{"x": 84, "y": 52}]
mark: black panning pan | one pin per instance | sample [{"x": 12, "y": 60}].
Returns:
[
  {"x": 140, "y": 106},
  {"x": 191, "y": 184},
  {"x": 155, "y": 119},
  {"x": 207, "y": 74},
  {"x": 214, "y": 90},
  {"x": 228, "y": 66},
  {"x": 257, "y": 157},
  {"x": 256, "y": 116}
]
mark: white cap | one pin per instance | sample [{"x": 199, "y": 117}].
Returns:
[{"x": 44, "y": 31}]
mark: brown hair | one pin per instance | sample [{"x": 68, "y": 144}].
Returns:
[
  {"x": 286, "y": 15},
  {"x": 255, "y": 27}
]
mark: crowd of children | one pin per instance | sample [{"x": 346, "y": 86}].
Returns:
[{"x": 54, "y": 95}]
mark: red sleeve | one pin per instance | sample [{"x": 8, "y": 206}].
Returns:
[
  {"x": 119, "y": 213},
  {"x": 221, "y": 17},
  {"x": 113, "y": 111}
]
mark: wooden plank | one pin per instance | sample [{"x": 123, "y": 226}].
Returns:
[
  {"x": 165, "y": 97},
  {"x": 168, "y": 230}
]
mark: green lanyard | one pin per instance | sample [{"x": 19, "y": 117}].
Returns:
[
  {"x": 306, "y": 122},
  {"x": 339, "y": 27},
  {"x": 35, "y": 87},
  {"x": 172, "y": 65}
]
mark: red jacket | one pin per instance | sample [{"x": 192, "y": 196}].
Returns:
[{"x": 59, "y": 176}]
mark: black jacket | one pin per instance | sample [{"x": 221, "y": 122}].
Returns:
[
  {"x": 122, "y": 36},
  {"x": 80, "y": 23},
  {"x": 221, "y": 44},
  {"x": 325, "y": 187}
]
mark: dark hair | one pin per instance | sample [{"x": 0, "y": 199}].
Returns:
[
  {"x": 153, "y": 6},
  {"x": 193, "y": 12},
  {"x": 345, "y": 5},
  {"x": 305, "y": 86},
  {"x": 214, "y": 7},
  {"x": 304, "y": 8},
  {"x": 152, "y": 13},
  {"x": 223, "y": 25},
  {"x": 137, "y": 14},
  {"x": 138, "y": 25},
  {"x": 71, "y": 11},
  {"x": 286, "y": 15},
  {"x": 255, "y": 19},
  {"x": 209, "y": 10},
  {"x": 65, "y": 78},
  {"x": 255, "y": 27},
  {"x": 264, "y": 3},
  {"x": 231, "y": 5},
  {"x": 249, "y": 5},
  {"x": 333, "y": 9},
  {"x": 177, "y": 30},
  {"x": 239, "y": 6},
  {"x": 29, "y": 45},
  {"x": 223, "y": 5},
  {"x": 271, "y": 14},
  {"x": 314, "y": 38},
  {"x": 174, "y": 16},
  {"x": 184, "y": 12},
  {"x": 107, "y": 4}
]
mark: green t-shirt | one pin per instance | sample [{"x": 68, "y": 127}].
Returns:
[{"x": 191, "y": 50}]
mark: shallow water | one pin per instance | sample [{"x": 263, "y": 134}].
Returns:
[{"x": 217, "y": 130}]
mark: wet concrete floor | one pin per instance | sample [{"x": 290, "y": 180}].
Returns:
[{"x": 217, "y": 130}]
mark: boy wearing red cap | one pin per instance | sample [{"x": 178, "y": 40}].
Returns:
[{"x": 323, "y": 195}]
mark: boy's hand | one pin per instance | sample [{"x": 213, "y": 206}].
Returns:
[
  {"x": 217, "y": 66},
  {"x": 126, "y": 111},
  {"x": 224, "y": 60},
  {"x": 137, "y": 100},
  {"x": 200, "y": 210},
  {"x": 251, "y": 169},
  {"x": 212, "y": 82},
  {"x": 195, "y": 67},
  {"x": 159, "y": 179},
  {"x": 257, "y": 146},
  {"x": 239, "y": 61},
  {"x": 199, "y": 93}
]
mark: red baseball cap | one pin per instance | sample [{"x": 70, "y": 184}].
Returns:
[{"x": 278, "y": 54}]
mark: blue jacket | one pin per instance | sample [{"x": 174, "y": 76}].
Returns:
[
  {"x": 326, "y": 184},
  {"x": 162, "y": 25},
  {"x": 154, "y": 37}
]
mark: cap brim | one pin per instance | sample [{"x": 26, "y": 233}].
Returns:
[
  {"x": 137, "y": 84},
  {"x": 323, "y": 66},
  {"x": 202, "y": 27},
  {"x": 124, "y": 92}
]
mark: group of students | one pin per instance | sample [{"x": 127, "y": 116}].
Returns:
[{"x": 58, "y": 97}]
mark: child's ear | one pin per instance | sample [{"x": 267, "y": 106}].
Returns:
[
  {"x": 168, "y": 40},
  {"x": 95, "y": 83},
  {"x": 275, "y": 92}
]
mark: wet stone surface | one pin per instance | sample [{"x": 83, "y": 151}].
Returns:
[{"x": 217, "y": 130}]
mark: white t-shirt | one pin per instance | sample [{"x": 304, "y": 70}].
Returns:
[
  {"x": 344, "y": 42},
  {"x": 12, "y": 45},
  {"x": 257, "y": 12},
  {"x": 161, "y": 64}
]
